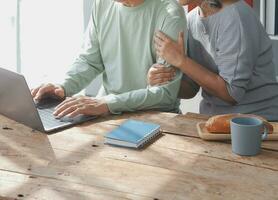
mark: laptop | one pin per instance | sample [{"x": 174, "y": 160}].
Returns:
[{"x": 16, "y": 102}]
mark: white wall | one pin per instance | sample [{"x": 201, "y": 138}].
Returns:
[{"x": 191, "y": 105}]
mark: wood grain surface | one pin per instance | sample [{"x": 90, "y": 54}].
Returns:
[{"x": 76, "y": 164}]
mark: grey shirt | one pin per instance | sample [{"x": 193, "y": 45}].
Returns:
[{"x": 233, "y": 44}]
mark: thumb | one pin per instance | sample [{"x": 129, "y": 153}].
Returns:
[
  {"x": 59, "y": 91},
  {"x": 181, "y": 42}
]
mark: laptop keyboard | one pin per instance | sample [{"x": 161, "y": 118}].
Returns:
[
  {"x": 49, "y": 120},
  {"x": 46, "y": 108}
]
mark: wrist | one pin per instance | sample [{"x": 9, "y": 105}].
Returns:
[
  {"x": 63, "y": 94},
  {"x": 182, "y": 61},
  {"x": 104, "y": 106},
  {"x": 106, "y": 109},
  {"x": 62, "y": 90}
]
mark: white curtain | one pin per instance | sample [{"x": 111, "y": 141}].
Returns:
[
  {"x": 8, "y": 34},
  {"x": 51, "y": 33},
  {"x": 51, "y": 36}
]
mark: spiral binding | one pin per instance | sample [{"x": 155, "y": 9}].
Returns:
[{"x": 150, "y": 139}]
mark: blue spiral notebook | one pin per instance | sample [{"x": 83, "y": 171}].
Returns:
[{"x": 133, "y": 134}]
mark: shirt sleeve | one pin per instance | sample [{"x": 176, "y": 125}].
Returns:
[
  {"x": 236, "y": 55},
  {"x": 171, "y": 26},
  {"x": 163, "y": 98},
  {"x": 87, "y": 65}
]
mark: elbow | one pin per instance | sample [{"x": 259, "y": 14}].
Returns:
[
  {"x": 186, "y": 91},
  {"x": 169, "y": 94},
  {"x": 226, "y": 97},
  {"x": 228, "y": 92},
  {"x": 169, "y": 101}
]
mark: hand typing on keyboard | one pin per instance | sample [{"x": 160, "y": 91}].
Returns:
[
  {"x": 47, "y": 102},
  {"x": 48, "y": 89},
  {"x": 81, "y": 105}
]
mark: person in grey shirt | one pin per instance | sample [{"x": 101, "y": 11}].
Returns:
[{"x": 229, "y": 56}]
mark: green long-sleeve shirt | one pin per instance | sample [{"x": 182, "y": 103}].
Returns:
[{"x": 119, "y": 45}]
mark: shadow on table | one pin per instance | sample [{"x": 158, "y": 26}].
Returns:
[{"x": 28, "y": 152}]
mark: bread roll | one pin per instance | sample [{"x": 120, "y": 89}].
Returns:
[{"x": 221, "y": 123}]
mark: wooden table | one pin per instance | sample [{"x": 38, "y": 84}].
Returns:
[{"x": 75, "y": 164}]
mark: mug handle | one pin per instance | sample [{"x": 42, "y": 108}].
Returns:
[{"x": 264, "y": 136}]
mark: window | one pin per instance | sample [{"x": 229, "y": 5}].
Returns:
[
  {"x": 8, "y": 34},
  {"x": 45, "y": 42}
]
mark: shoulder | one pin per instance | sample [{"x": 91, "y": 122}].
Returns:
[
  {"x": 238, "y": 16},
  {"x": 170, "y": 15},
  {"x": 169, "y": 8},
  {"x": 243, "y": 11}
]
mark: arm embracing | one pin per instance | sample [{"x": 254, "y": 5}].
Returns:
[{"x": 162, "y": 98}]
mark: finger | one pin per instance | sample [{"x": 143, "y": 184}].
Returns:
[
  {"x": 165, "y": 80},
  {"x": 156, "y": 65},
  {"x": 72, "y": 102},
  {"x": 65, "y": 106},
  {"x": 172, "y": 70},
  {"x": 154, "y": 82},
  {"x": 78, "y": 111},
  {"x": 164, "y": 69},
  {"x": 59, "y": 92},
  {"x": 69, "y": 99},
  {"x": 157, "y": 47},
  {"x": 34, "y": 91},
  {"x": 162, "y": 36},
  {"x": 158, "y": 41},
  {"x": 69, "y": 110},
  {"x": 181, "y": 42},
  {"x": 157, "y": 75},
  {"x": 44, "y": 90},
  {"x": 160, "y": 70},
  {"x": 167, "y": 75},
  {"x": 159, "y": 81},
  {"x": 90, "y": 101},
  {"x": 80, "y": 99}
]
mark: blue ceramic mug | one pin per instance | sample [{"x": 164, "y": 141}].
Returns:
[{"x": 247, "y": 135}]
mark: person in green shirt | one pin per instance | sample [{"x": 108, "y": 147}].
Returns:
[{"x": 119, "y": 45}]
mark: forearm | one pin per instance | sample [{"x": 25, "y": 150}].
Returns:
[
  {"x": 209, "y": 81},
  {"x": 163, "y": 98},
  {"x": 186, "y": 91}
]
